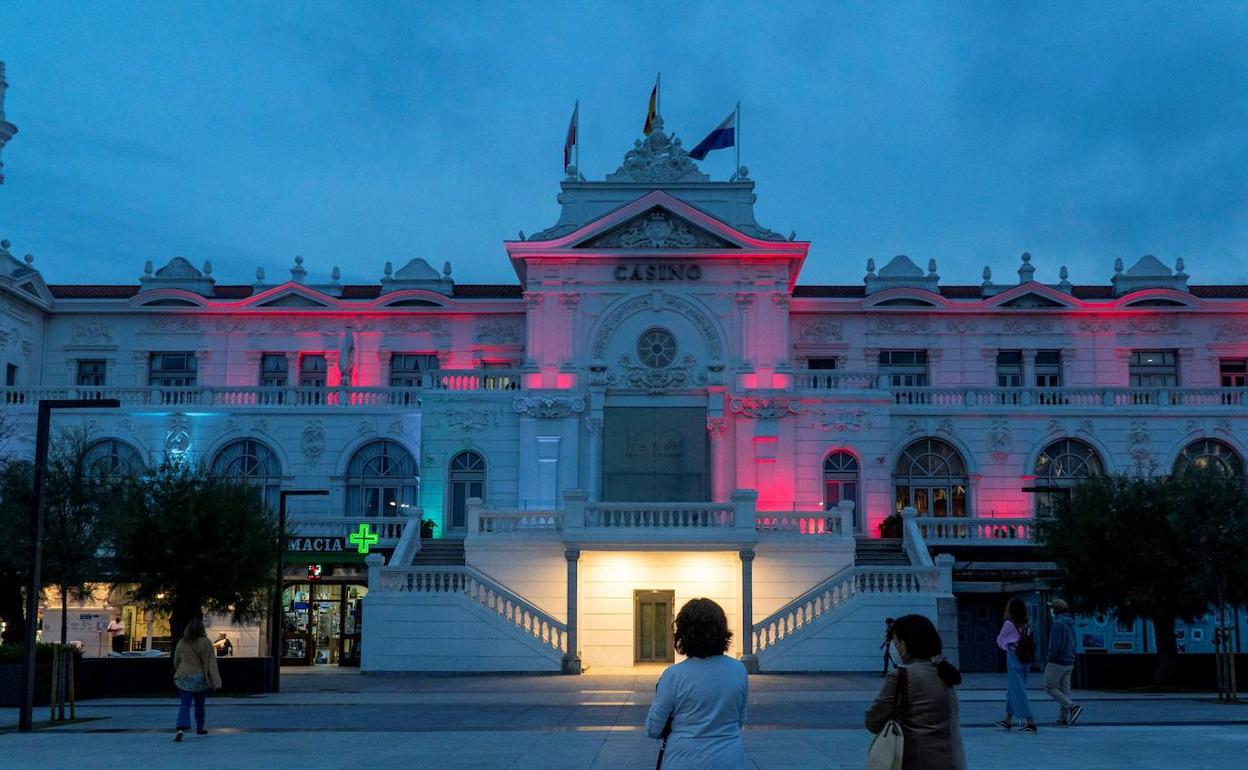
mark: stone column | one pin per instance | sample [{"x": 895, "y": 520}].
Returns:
[
  {"x": 747, "y": 610},
  {"x": 572, "y": 657},
  {"x": 594, "y": 475},
  {"x": 720, "y": 479}
]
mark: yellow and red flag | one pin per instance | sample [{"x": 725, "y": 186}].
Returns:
[{"x": 653, "y": 109}]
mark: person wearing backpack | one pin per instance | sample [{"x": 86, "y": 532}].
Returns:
[
  {"x": 919, "y": 700},
  {"x": 1020, "y": 650}
]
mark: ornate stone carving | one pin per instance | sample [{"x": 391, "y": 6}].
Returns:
[
  {"x": 764, "y": 408},
  {"x": 913, "y": 426},
  {"x": 1231, "y": 330},
  {"x": 548, "y": 407},
  {"x": 177, "y": 436},
  {"x": 899, "y": 325},
  {"x": 946, "y": 426},
  {"x": 781, "y": 300},
  {"x": 312, "y": 441},
  {"x": 1053, "y": 427},
  {"x": 745, "y": 301},
  {"x": 468, "y": 420},
  {"x": 819, "y": 330},
  {"x": 657, "y": 158},
  {"x": 716, "y": 426},
  {"x": 842, "y": 420},
  {"x": 92, "y": 333},
  {"x": 173, "y": 323},
  {"x": 1086, "y": 427},
  {"x": 229, "y": 325},
  {"x": 231, "y": 426},
  {"x": 676, "y": 375},
  {"x": 646, "y": 301},
  {"x": 1095, "y": 325},
  {"x": 1139, "y": 443},
  {"x": 396, "y": 428},
  {"x": 295, "y": 324},
  {"x": 594, "y": 425},
  {"x": 260, "y": 426},
  {"x": 533, "y": 300},
  {"x": 999, "y": 442},
  {"x": 1027, "y": 325},
  {"x": 421, "y": 325},
  {"x": 1191, "y": 426},
  {"x": 961, "y": 325},
  {"x": 570, "y": 300},
  {"x": 1152, "y": 324},
  {"x": 1223, "y": 425},
  {"x": 657, "y": 229},
  {"x": 365, "y": 428}
]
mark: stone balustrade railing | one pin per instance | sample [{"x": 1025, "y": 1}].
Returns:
[
  {"x": 976, "y": 531},
  {"x": 838, "y": 522},
  {"x": 1049, "y": 398},
  {"x": 290, "y": 397},
  {"x": 659, "y": 515},
  {"x": 831, "y": 379},
  {"x": 832, "y": 594},
  {"x": 387, "y": 529},
  {"x": 474, "y": 585},
  {"x": 515, "y": 522}
]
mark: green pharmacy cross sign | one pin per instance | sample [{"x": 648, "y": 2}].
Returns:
[{"x": 363, "y": 538}]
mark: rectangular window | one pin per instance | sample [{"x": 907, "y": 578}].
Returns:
[
  {"x": 1153, "y": 369},
  {"x": 10, "y": 375},
  {"x": 1009, "y": 369},
  {"x": 1234, "y": 372},
  {"x": 406, "y": 368},
  {"x": 1048, "y": 369},
  {"x": 498, "y": 376},
  {"x": 171, "y": 370},
  {"x": 905, "y": 368},
  {"x": 91, "y": 373},
  {"x": 274, "y": 370},
  {"x": 312, "y": 371},
  {"x": 821, "y": 363}
]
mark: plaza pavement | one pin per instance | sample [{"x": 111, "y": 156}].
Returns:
[{"x": 327, "y": 719}]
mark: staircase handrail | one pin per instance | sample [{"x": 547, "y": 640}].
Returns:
[
  {"x": 476, "y": 585},
  {"x": 831, "y": 594},
  {"x": 912, "y": 539}
]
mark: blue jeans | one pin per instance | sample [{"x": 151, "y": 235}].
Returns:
[
  {"x": 184, "y": 709},
  {"x": 1016, "y": 702}
]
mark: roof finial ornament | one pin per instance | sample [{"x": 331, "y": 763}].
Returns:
[
  {"x": 148, "y": 269},
  {"x": 446, "y": 269},
  {"x": 259, "y": 276},
  {"x": 1026, "y": 271},
  {"x": 521, "y": 234},
  {"x": 388, "y": 269},
  {"x": 1178, "y": 267},
  {"x": 335, "y": 275},
  {"x": 987, "y": 275},
  {"x": 4, "y": 245},
  {"x": 931, "y": 266},
  {"x": 207, "y": 267},
  {"x": 297, "y": 273},
  {"x": 870, "y": 266},
  {"x": 1118, "y": 266},
  {"x": 30, "y": 259}
]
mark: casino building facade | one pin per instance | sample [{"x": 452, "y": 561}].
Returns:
[{"x": 656, "y": 409}]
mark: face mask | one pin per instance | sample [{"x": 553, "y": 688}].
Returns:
[{"x": 893, "y": 651}]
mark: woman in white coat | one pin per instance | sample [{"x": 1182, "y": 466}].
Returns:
[{"x": 699, "y": 704}]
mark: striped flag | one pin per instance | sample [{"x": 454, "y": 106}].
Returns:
[
  {"x": 570, "y": 141},
  {"x": 724, "y": 135}
]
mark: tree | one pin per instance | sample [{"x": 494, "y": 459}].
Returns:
[
  {"x": 1119, "y": 546},
  {"x": 190, "y": 542},
  {"x": 16, "y": 500}
]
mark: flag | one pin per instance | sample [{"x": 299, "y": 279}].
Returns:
[
  {"x": 570, "y": 141},
  {"x": 724, "y": 135},
  {"x": 653, "y": 110}
]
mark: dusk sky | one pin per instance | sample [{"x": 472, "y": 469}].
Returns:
[{"x": 353, "y": 134}]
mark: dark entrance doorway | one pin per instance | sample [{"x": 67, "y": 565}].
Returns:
[
  {"x": 467, "y": 480},
  {"x": 979, "y": 620},
  {"x": 321, "y": 623},
  {"x": 652, "y": 626}
]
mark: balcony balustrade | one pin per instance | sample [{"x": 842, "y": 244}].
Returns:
[
  {"x": 976, "y": 531},
  {"x": 245, "y": 396},
  {"x": 388, "y": 529}
]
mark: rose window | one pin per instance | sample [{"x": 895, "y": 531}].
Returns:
[{"x": 656, "y": 348}]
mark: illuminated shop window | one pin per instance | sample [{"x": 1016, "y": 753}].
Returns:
[
  {"x": 382, "y": 480},
  {"x": 1210, "y": 453},
  {"x": 931, "y": 476},
  {"x": 1061, "y": 466}
]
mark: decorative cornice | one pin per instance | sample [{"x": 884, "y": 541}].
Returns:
[{"x": 548, "y": 407}]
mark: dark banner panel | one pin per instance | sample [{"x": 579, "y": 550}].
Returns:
[{"x": 653, "y": 454}]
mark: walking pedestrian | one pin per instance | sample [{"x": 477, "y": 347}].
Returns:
[
  {"x": 195, "y": 673},
  {"x": 1020, "y": 650},
  {"x": 886, "y": 645},
  {"x": 699, "y": 703},
  {"x": 1061, "y": 663},
  {"x": 116, "y": 634},
  {"x": 921, "y": 698}
]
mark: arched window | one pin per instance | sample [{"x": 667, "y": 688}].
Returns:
[
  {"x": 251, "y": 462},
  {"x": 467, "y": 480},
  {"x": 1210, "y": 453},
  {"x": 111, "y": 459},
  {"x": 381, "y": 480},
  {"x": 1061, "y": 466},
  {"x": 931, "y": 476},
  {"x": 840, "y": 482}
]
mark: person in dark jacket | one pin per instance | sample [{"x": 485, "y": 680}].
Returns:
[
  {"x": 1061, "y": 663},
  {"x": 929, "y": 720}
]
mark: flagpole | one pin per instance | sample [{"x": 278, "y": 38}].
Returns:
[
  {"x": 658, "y": 94},
  {"x": 577, "y": 147},
  {"x": 737, "y": 171}
]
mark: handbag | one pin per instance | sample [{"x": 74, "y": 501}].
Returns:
[
  {"x": 194, "y": 681},
  {"x": 888, "y": 750}
]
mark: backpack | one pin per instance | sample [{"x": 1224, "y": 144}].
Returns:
[{"x": 1025, "y": 649}]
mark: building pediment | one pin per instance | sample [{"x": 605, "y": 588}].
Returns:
[{"x": 657, "y": 228}]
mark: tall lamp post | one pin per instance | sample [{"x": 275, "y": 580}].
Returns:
[
  {"x": 275, "y": 611},
  {"x": 25, "y": 720}
]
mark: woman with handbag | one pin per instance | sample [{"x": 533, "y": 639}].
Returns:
[
  {"x": 1019, "y": 646},
  {"x": 699, "y": 704},
  {"x": 915, "y": 716},
  {"x": 195, "y": 673}
]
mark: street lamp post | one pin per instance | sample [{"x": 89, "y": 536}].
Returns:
[
  {"x": 25, "y": 720},
  {"x": 275, "y": 610}
]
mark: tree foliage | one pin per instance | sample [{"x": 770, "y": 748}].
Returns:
[
  {"x": 16, "y": 501},
  {"x": 191, "y": 543}
]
